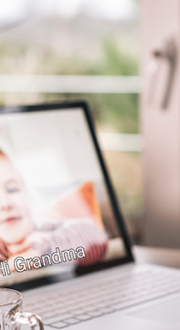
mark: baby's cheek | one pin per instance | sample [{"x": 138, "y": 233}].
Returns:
[
  {"x": 4, "y": 231},
  {"x": 23, "y": 208},
  {"x": 18, "y": 201}
]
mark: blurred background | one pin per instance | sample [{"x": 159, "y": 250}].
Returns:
[{"x": 78, "y": 49}]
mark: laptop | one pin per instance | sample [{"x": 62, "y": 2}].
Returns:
[{"x": 62, "y": 232}]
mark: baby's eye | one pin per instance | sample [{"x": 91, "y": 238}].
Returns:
[
  {"x": 12, "y": 187},
  {"x": 13, "y": 190}
]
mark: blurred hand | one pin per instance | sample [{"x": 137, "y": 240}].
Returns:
[
  {"x": 4, "y": 253},
  {"x": 33, "y": 240}
]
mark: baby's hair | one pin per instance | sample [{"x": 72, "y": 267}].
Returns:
[{"x": 2, "y": 153}]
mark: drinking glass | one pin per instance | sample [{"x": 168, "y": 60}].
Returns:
[{"x": 11, "y": 315}]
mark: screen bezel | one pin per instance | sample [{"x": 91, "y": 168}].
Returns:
[{"x": 80, "y": 270}]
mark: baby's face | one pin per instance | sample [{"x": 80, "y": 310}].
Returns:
[{"x": 15, "y": 216}]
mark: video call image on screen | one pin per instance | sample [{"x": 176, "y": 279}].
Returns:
[{"x": 53, "y": 197}]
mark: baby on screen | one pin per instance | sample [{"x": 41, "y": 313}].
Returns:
[{"x": 18, "y": 232}]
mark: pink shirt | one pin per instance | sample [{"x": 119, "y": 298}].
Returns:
[{"x": 70, "y": 234}]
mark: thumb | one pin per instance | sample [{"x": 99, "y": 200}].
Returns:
[{"x": 4, "y": 252}]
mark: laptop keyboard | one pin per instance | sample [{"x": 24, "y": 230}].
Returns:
[{"x": 85, "y": 302}]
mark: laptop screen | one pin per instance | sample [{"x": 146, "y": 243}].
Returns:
[{"x": 55, "y": 209}]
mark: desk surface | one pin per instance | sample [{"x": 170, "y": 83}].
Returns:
[{"x": 158, "y": 256}]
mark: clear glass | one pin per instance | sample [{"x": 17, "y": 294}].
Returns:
[{"x": 11, "y": 315}]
